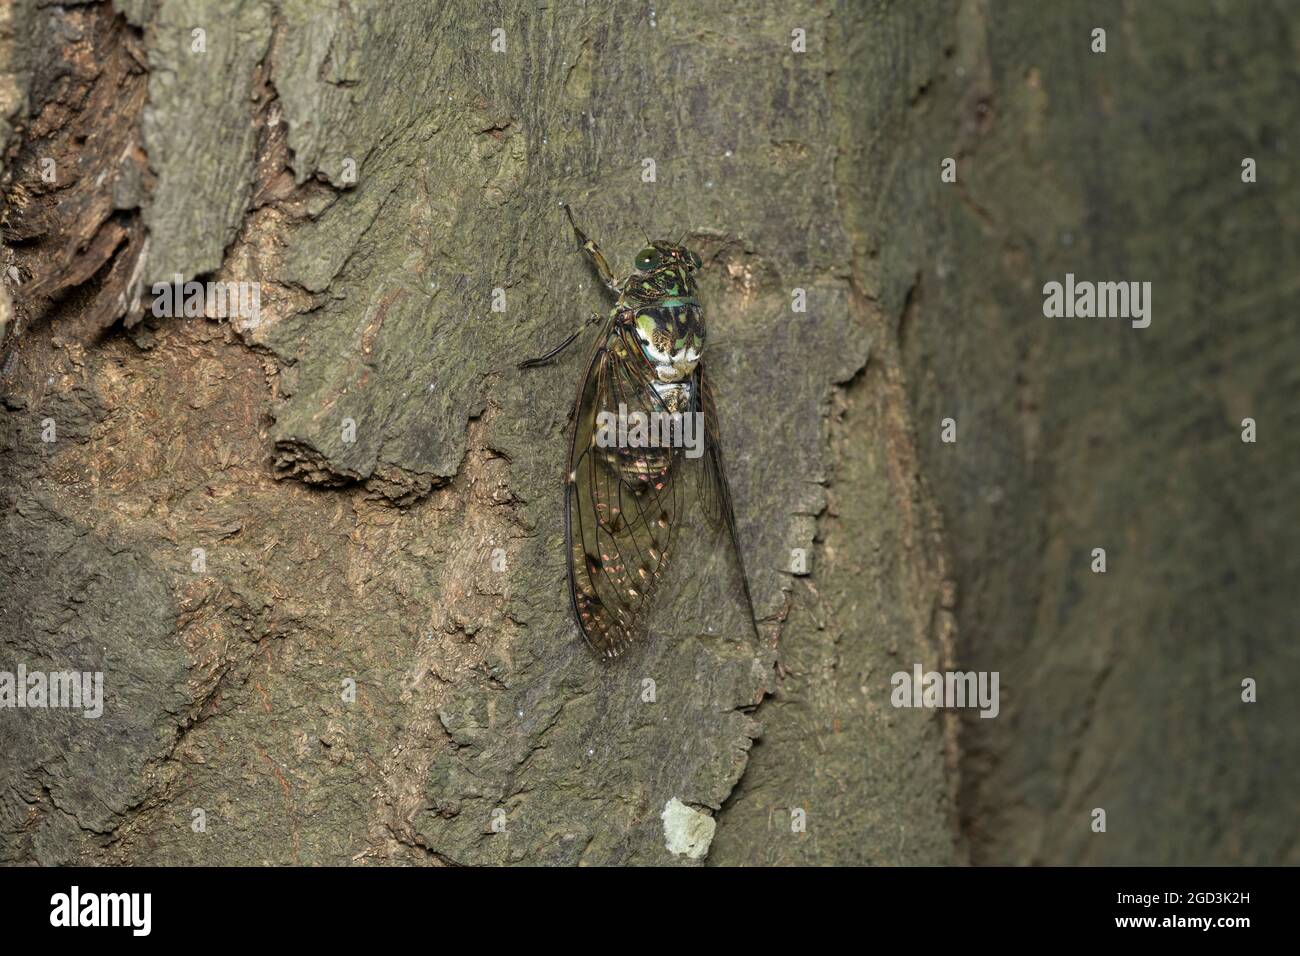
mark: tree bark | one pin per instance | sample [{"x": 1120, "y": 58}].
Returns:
[{"x": 318, "y": 555}]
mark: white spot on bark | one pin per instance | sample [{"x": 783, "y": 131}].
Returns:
[{"x": 687, "y": 830}]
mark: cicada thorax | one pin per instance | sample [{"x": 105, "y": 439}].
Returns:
[
  {"x": 664, "y": 315},
  {"x": 662, "y": 338}
]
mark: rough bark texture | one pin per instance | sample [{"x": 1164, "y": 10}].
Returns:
[{"x": 376, "y": 489}]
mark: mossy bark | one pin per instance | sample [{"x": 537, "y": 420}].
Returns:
[{"x": 318, "y": 556}]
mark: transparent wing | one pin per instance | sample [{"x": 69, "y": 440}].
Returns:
[
  {"x": 714, "y": 491},
  {"x": 623, "y": 505}
]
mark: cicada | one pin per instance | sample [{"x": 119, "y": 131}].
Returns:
[{"x": 645, "y": 447}]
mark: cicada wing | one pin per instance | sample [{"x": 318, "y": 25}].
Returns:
[
  {"x": 715, "y": 491},
  {"x": 623, "y": 505}
]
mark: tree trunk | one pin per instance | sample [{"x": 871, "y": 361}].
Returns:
[{"x": 316, "y": 548}]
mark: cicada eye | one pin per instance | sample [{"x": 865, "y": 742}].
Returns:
[{"x": 648, "y": 259}]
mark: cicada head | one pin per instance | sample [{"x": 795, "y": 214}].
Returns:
[
  {"x": 666, "y": 255},
  {"x": 664, "y": 270}
]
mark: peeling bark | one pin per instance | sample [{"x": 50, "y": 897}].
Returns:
[{"x": 72, "y": 227}]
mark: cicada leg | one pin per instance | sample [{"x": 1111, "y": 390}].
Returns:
[
  {"x": 594, "y": 254},
  {"x": 554, "y": 353}
]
